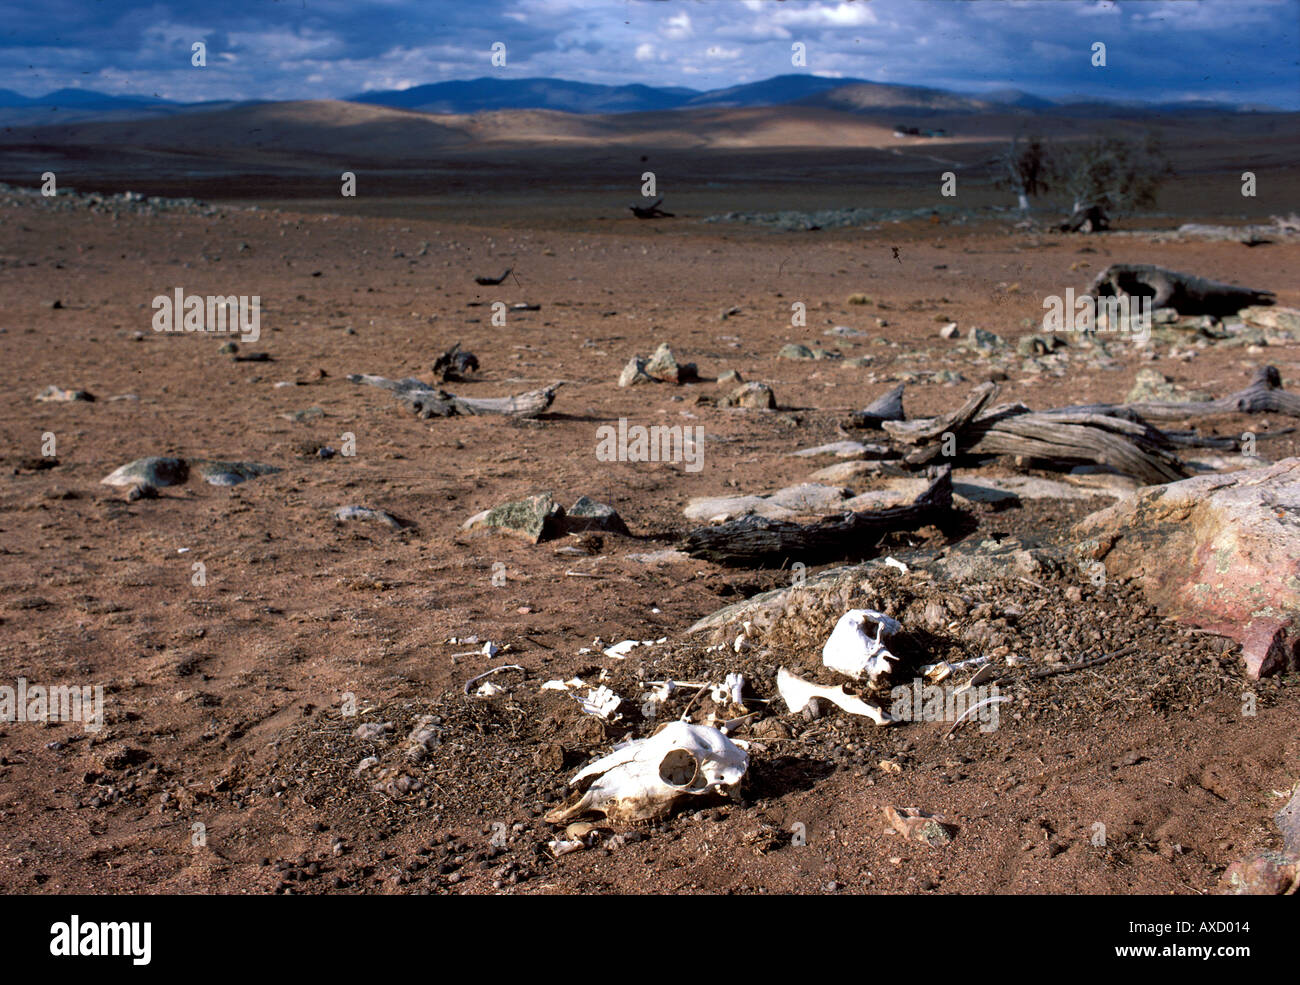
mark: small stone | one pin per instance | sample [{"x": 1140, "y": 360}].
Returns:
[
  {"x": 982, "y": 338},
  {"x": 587, "y": 514},
  {"x": 758, "y": 395},
  {"x": 635, "y": 372},
  {"x": 663, "y": 365},
  {"x": 795, "y": 351}
]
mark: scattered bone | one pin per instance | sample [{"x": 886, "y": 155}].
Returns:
[
  {"x": 601, "y": 702},
  {"x": 796, "y": 692},
  {"x": 488, "y": 673},
  {"x": 620, "y": 650}
]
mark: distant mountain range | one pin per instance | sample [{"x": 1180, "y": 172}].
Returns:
[{"x": 493, "y": 94}]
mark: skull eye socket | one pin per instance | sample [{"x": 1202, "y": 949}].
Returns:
[{"x": 678, "y": 768}]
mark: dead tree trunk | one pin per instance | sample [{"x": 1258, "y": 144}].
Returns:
[
  {"x": 755, "y": 541},
  {"x": 1185, "y": 293}
]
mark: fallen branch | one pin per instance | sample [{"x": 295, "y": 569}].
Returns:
[
  {"x": 1264, "y": 395},
  {"x": 756, "y": 541},
  {"x": 1083, "y": 664},
  {"x": 427, "y": 401}
]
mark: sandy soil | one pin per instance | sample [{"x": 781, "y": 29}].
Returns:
[{"x": 225, "y": 702}]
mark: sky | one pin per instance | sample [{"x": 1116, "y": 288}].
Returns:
[{"x": 1238, "y": 51}]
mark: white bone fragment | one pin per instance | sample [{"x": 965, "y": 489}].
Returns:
[
  {"x": 601, "y": 702},
  {"x": 571, "y": 684},
  {"x": 797, "y": 692}
]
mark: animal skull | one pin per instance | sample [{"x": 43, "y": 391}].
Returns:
[
  {"x": 646, "y": 778},
  {"x": 853, "y": 652}
]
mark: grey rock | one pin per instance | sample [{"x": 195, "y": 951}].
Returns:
[
  {"x": 536, "y": 518},
  {"x": 155, "y": 471},
  {"x": 793, "y": 350},
  {"x": 635, "y": 372},
  {"x": 230, "y": 473}
]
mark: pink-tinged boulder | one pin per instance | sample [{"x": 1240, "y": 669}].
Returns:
[
  {"x": 1220, "y": 552},
  {"x": 1264, "y": 874}
]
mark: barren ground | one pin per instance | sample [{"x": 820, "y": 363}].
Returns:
[{"x": 224, "y": 701}]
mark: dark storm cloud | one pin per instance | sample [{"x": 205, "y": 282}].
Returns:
[{"x": 1236, "y": 50}]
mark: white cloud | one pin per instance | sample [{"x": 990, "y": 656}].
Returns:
[
  {"x": 825, "y": 15},
  {"x": 678, "y": 27},
  {"x": 645, "y": 52}
]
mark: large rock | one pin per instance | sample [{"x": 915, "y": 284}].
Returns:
[{"x": 1221, "y": 552}]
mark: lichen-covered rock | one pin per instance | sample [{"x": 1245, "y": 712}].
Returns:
[
  {"x": 536, "y": 518},
  {"x": 795, "y": 351}
]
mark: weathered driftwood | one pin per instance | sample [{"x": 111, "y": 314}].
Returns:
[
  {"x": 886, "y": 407},
  {"x": 427, "y": 401},
  {"x": 923, "y": 434},
  {"x": 1185, "y": 293},
  {"x": 755, "y": 541},
  {"x": 1264, "y": 395},
  {"x": 1129, "y": 447},
  {"x": 1125, "y": 443},
  {"x": 651, "y": 211},
  {"x": 494, "y": 281}
]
